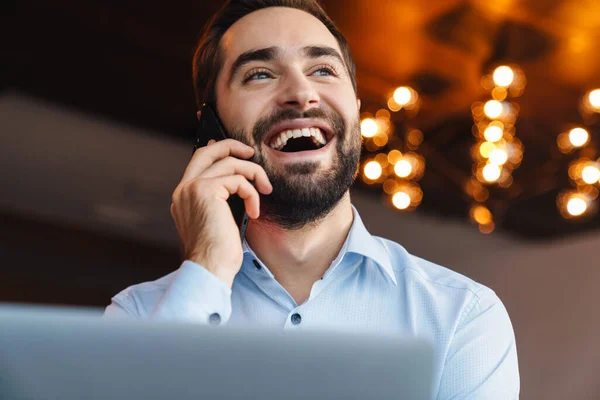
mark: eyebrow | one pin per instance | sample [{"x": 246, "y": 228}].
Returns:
[
  {"x": 274, "y": 52},
  {"x": 323, "y": 51},
  {"x": 266, "y": 54}
]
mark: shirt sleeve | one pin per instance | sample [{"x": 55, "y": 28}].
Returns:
[
  {"x": 482, "y": 359},
  {"x": 193, "y": 295}
]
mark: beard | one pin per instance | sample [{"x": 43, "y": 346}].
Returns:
[{"x": 302, "y": 193}]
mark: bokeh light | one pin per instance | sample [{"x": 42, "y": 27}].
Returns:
[
  {"x": 593, "y": 98},
  {"x": 368, "y": 127},
  {"x": 486, "y": 148},
  {"x": 590, "y": 174},
  {"x": 487, "y": 228},
  {"x": 403, "y": 96},
  {"x": 382, "y": 159},
  {"x": 392, "y": 105},
  {"x": 414, "y": 139},
  {"x": 401, "y": 200},
  {"x": 578, "y": 137},
  {"x": 481, "y": 214},
  {"x": 389, "y": 186},
  {"x": 373, "y": 170},
  {"x": 394, "y": 156},
  {"x": 493, "y": 133},
  {"x": 493, "y": 109},
  {"x": 498, "y": 156},
  {"x": 503, "y": 76},
  {"x": 380, "y": 139},
  {"x": 383, "y": 114},
  {"x": 576, "y": 206},
  {"x": 491, "y": 172},
  {"x": 499, "y": 93},
  {"x": 403, "y": 168}
]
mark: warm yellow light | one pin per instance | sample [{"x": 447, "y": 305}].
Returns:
[
  {"x": 499, "y": 93},
  {"x": 486, "y": 148},
  {"x": 578, "y": 137},
  {"x": 402, "y": 96},
  {"x": 481, "y": 214},
  {"x": 392, "y": 105},
  {"x": 401, "y": 200},
  {"x": 576, "y": 206},
  {"x": 498, "y": 156},
  {"x": 373, "y": 170},
  {"x": 382, "y": 159},
  {"x": 503, "y": 76},
  {"x": 383, "y": 114},
  {"x": 590, "y": 174},
  {"x": 487, "y": 228},
  {"x": 493, "y": 133},
  {"x": 493, "y": 109},
  {"x": 394, "y": 156},
  {"x": 368, "y": 127},
  {"x": 380, "y": 139},
  {"x": 415, "y": 137},
  {"x": 594, "y": 98},
  {"x": 389, "y": 186},
  {"x": 491, "y": 172},
  {"x": 403, "y": 168}
]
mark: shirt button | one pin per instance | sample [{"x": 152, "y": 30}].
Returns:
[
  {"x": 256, "y": 264},
  {"x": 214, "y": 319},
  {"x": 296, "y": 319}
]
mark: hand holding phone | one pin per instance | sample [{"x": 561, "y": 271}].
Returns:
[
  {"x": 204, "y": 218},
  {"x": 210, "y": 127}
]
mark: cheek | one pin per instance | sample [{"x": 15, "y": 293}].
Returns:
[{"x": 237, "y": 114}]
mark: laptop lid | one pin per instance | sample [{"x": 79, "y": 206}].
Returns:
[{"x": 66, "y": 354}]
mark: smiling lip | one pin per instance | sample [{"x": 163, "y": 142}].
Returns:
[
  {"x": 305, "y": 155},
  {"x": 300, "y": 124}
]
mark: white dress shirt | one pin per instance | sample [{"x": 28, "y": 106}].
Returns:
[{"x": 373, "y": 285}]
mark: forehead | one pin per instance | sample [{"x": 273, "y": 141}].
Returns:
[{"x": 288, "y": 28}]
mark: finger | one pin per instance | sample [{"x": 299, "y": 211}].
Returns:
[
  {"x": 234, "y": 166},
  {"x": 206, "y": 156},
  {"x": 238, "y": 184}
]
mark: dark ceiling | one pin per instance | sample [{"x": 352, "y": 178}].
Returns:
[{"x": 130, "y": 61}]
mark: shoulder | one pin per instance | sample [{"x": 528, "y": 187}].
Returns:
[
  {"x": 447, "y": 291},
  {"x": 139, "y": 300}
]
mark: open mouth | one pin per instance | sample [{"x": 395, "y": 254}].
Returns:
[{"x": 294, "y": 140}]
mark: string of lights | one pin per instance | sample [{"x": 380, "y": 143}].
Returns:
[
  {"x": 497, "y": 151},
  {"x": 399, "y": 170},
  {"x": 394, "y": 163},
  {"x": 584, "y": 171}
]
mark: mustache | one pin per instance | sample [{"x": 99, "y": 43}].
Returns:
[{"x": 264, "y": 125}]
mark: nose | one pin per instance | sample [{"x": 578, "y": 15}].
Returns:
[{"x": 298, "y": 92}]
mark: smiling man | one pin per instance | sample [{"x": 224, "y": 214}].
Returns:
[{"x": 282, "y": 80}]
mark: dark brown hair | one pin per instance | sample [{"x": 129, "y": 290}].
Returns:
[{"x": 208, "y": 58}]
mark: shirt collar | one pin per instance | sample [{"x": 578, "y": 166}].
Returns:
[{"x": 359, "y": 241}]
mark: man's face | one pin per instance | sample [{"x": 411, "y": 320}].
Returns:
[{"x": 283, "y": 77}]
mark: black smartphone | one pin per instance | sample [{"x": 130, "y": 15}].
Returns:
[{"x": 210, "y": 127}]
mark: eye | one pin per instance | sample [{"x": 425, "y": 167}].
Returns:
[
  {"x": 325, "y": 70},
  {"x": 257, "y": 75}
]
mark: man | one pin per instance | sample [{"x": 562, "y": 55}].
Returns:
[{"x": 283, "y": 83}]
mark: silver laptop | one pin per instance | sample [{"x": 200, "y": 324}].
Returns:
[{"x": 68, "y": 354}]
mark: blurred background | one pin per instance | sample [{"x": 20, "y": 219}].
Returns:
[{"x": 481, "y": 135}]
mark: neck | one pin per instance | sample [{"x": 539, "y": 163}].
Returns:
[{"x": 299, "y": 258}]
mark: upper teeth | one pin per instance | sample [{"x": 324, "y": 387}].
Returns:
[{"x": 279, "y": 140}]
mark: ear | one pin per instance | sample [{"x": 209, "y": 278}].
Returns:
[
  {"x": 358, "y": 104},
  {"x": 198, "y": 114}
]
